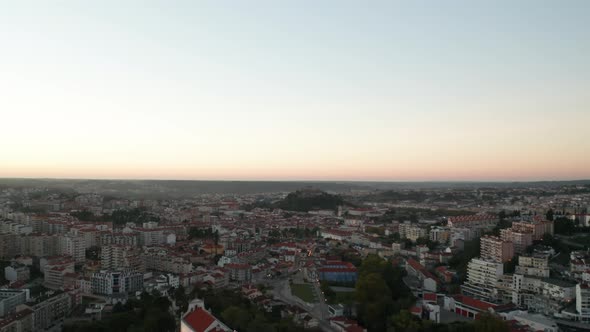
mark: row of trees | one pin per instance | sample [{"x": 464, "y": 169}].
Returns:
[
  {"x": 118, "y": 217},
  {"x": 151, "y": 313}
]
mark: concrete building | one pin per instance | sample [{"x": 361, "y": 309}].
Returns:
[
  {"x": 17, "y": 272},
  {"x": 10, "y": 298},
  {"x": 481, "y": 221},
  {"x": 412, "y": 231},
  {"x": 482, "y": 279},
  {"x": 55, "y": 271},
  {"x": 116, "y": 282},
  {"x": 521, "y": 239},
  {"x": 496, "y": 250},
  {"x": 239, "y": 272},
  {"x": 440, "y": 234},
  {"x": 533, "y": 265},
  {"x": 51, "y": 311},
  {"x": 121, "y": 257},
  {"x": 21, "y": 321},
  {"x": 583, "y": 302}
]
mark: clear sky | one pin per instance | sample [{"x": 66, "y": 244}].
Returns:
[{"x": 346, "y": 90}]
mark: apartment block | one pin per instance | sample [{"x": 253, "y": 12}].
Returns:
[
  {"x": 482, "y": 279},
  {"x": 10, "y": 299},
  {"x": 521, "y": 239},
  {"x": 496, "y": 250},
  {"x": 116, "y": 282},
  {"x": 412, "y": 231},
  {"x": 533, "y": 265}
]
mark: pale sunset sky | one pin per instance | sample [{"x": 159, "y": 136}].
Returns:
[{"x": 295, "y": 90}]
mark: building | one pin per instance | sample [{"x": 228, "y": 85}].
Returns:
[
  {"x": 17, "y": 272},
  {"x": 496, "y": 250},
  {"x": 412, "y": 231},
  {"x": 51, "y": 311},
  {"x": 543, "y": 295},
  {"x": 239, "y": 272},
  {"x": 338, "y": 271},
  {"x": 583, "y": 302},
  {"x": 121, "y": 257},
  {"x": 533, "y": 265},
  {"x": 521, "y": 239},
  {"x": 198, "y": 319},
  {"x": 482, "y": 221},
  {"x": 440, "y": 234},
  {"x": 21, "y": 321},
  {"x": 482, "y": 279},
  {"x": 73, "y": 246},
  {"x": 10, "y": 298},
  {"x": 537, "y": 228},
  {"x": 112, "y": 283},
  {"x": 55, "y": 271}
]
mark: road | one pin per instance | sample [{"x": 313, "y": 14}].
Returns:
[{"x": 282, "y": 291}]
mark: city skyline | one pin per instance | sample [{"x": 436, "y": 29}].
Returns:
[{"x": 386, "y": 91}]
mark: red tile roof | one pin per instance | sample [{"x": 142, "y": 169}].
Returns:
[{"x": 199, "y": 320}]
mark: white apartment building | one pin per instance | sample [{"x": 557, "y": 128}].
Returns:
[
  {"x": 440, "y": 234},
  {"x": 116, "y": 282},
  {"x": 11, "y": 298},
  {"x": 533, "y": 265},
  {"x": 73, "y": 246},
  {"x": 583, "y": 302},
  {"x": 483, "y": 278},
  {"x": 412, "y": 231},
  {"x": 121, "y": 257}
]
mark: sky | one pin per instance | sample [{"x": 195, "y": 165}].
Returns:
[{"x": 295, "y": 90}]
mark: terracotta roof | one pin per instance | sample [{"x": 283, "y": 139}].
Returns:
[{"x": 199, "y": 320}]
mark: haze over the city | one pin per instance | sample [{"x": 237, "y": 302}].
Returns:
[{"x": 299, "y": 90}]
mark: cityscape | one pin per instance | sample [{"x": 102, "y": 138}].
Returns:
[
  {"x": 91, "y": 256},
  {"x": 287, "y": 166}
]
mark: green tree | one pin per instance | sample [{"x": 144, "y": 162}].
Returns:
[{"x": 489, "y": 323}]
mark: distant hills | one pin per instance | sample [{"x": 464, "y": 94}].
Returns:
[
  {"x": 310, "y": 199},
  {"x": 158, "y": 189}
]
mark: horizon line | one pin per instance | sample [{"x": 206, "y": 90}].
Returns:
[{"x": 300, "y": 180}]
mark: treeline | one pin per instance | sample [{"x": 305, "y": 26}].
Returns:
[
  {"x": 241, "y": 315},
  {"x": 151, "y": 313},
  {"x": 118, "y": 217}
]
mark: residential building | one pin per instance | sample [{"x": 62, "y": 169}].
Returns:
[
  {"x": 483, "y": 221},
  {"x": 412, "y": 232},
  {"x": 17, "y": 272},
  {"x": 198, "y": 319},
  {"x": 239, "y": 272},
  {"x": 482, "y": 279},
  {"x": 21, "y": 321},
  {"x": 338, "y": 271},
  {"x": 55, "y": 272},
  {"x": 496, "y": 250},
  {"x": 521, "y": 239},
  {"x": 440, "y": 234},
  {"x": 120, "y": 257},
  {"x": 10, "y": 298},
  {"x": 50, "y": 311},
  {"x": 112, "y": 283},
  {"x": 533, "y": 265},
  {"x": 583, "y": 302}
]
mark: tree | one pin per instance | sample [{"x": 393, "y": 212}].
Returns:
[
  {"x": 489, "y": 323},
  {"x": 375, "y": 302},
  {"x": 404, "y": 321}
]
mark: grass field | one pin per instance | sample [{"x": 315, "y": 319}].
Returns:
[{"x": 304, "y": 292}]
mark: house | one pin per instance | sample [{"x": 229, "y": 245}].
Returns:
[{"x": 198, "y": 319}]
